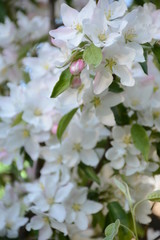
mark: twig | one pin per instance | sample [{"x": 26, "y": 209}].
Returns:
[{"x": 52, "y": 14}]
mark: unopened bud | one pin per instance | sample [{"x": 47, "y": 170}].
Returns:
[
  {"x": 76, "y": 82},
  {"x": 54, "y": 129},
  {"x": 77, "y": 67}
]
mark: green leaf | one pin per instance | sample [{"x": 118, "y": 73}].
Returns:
[
  {"x": 144, "y": 64},
  {"x": 116, "y": 211},
  {"x": 92, "y": 55},
  {"x": 90, "y": 173},
  {"x": 154, "y": 196},
  {"x": 17, "y": 119},
  {"x": 123, "y": 187},
  {"x": 156, "y": 51},
  {"x": 120, "y": 114},
  {"x": 63, "y": 83},
  {"x": 140, "y": 139},
  {"x": 65, "y": 120},
  {"x": 112, "y": 230},
  {"x": 115, "y": 87}
]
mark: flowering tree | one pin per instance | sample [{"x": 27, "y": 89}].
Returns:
[{"x": 79, "y": 120}]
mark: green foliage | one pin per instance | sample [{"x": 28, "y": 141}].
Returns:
[
  {"x": 120, "y": 114},
  {"x": 116, "y": 211},
  {"x": 63, "y": 83},
  {"x": 17, "y": 119},
  {"x": 115, "y": 87},
  {"x": 144, "y": 64},
  {"x": 140, "y": 140},
  {"x": 112, "y": 230},
  {"x": 90, "y": 173},
  {"x": 3, "y": 12},
  {"x": 65, "y": 120},
  {"x": 92, "y": 55},
  {"x": 154, "y": 196},
  {"x": 156, "y": 51},
  {"x": 141, "y": 2}
]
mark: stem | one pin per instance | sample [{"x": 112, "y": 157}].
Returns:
[
  {"x": 134, "y": 223},
  {"x": 52, "y": 13},
  {"x": 128, "y": 230}
]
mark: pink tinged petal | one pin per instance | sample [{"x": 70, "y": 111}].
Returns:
[
  {"x": 63, "y": 33},
  {"x": 102, "y": 82},
  {"x": 91, "y": 207},
  {"x": 76, "y": 67},
  {"x": 3, "y": 154},
  {"x": 45, "y": 233},
  {"x": 58, "y": 212},
  {"x": 76, "y": 82},
  {"x": 63, "y": 192},
  {"x": 81, "y": 221},
  {"x": 68, "y": 14},
  {"x": 89, "y": 157},
  {"x": 54, "y": 129},
  {"x": 125, "y": 75},
  {"x": 36, "y": 223}
]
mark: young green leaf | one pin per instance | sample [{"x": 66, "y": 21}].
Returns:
[
  {"x": 90, "y": 173},
  {"x": 154, "y": 196},
  {"x": 123, "y": 187},
  {"x": 112, "y": 230},
  {"x": 63, "y": 83},
  {"x": 92, "y": 55},
  {"x": 65, "y": 120},
  {"x": 17, "y": 119},
  {"x": 140, "y": 139},
  {"x": 144, "y": 64},
  {"x": 156, "y": 51}
]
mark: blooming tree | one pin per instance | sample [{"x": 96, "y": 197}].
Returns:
[{"x": 79, "y": 121}]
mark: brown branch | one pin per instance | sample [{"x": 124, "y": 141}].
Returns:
[{"x": 52, "y": 14}]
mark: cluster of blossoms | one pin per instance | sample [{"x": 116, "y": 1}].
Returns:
[{"x": 72, "y": 140}]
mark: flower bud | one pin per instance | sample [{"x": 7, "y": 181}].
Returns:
[
  {"x": 54, "y": 129},
  {"x": 76, "y": 82},
  {"x": 77, "y": 67}
]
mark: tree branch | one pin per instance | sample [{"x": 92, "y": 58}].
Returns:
[{"x": 52, "y": 14}]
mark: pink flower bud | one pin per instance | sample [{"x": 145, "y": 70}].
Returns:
[
  {"x": 76, "y": 82},
  {"x": 54, "y": 129},
  {"x": 77, "y": 67}
]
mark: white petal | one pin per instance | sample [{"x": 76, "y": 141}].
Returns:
[
  {"x": 91, "y": 207},
  {"x": 89, "y": 157},
  {"x": 63, "y": 192},
  {"x": 68, "y": 15},
  {"x": 102, "y": 81},
  {"x": 36, "y": 223},
  {"x": 81, "y": 221},
  {"x": 45, "y": 233},
  {"x": 57, "y": 211},
  {"x": 125, "y": 75}
]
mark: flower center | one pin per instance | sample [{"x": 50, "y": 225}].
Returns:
[
  {"x": 37, "y": 112},
  {"x": 96, "y": 101},
  {"x": 130, "y": 35},
  {"x": 135, "y": 103},
  {"x": 102, "y": 37},
  {"x": 77, "y": 147},
  {"x": 108, "y": 15},
  {"x": 127, "y": 139},
  {"x": 156, "y": 114},
  {"x": 79, "y": 28},
  {"x": 46, "y": 220},
  {"x": 59, "y": 159},
  {"x": 76, "y": 207},
  {"x": 50, "y": 201},
  {"x": 26, "y": 133},
  {"x": 110, "y": 63}
]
